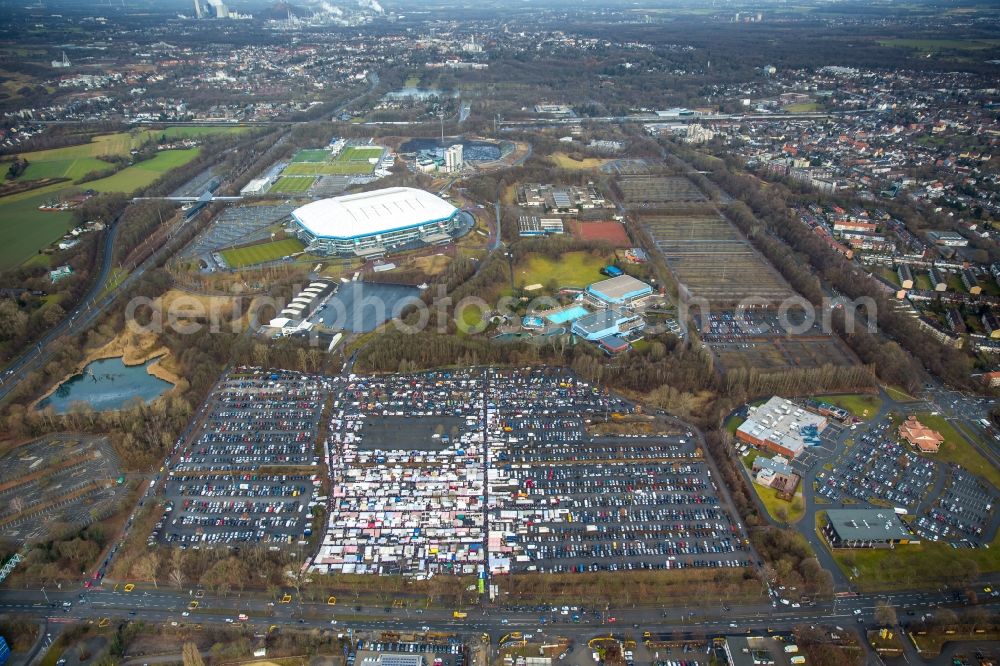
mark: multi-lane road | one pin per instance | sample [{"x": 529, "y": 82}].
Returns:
[{"x": 165, "y": 606}]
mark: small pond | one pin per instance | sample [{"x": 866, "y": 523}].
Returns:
[{"x": 107, "y": 384}]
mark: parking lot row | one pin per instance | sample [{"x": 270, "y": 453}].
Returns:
[{"x": 253, "y": 419}]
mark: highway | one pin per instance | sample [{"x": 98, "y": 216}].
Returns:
[
  {"x": 168, "y": 605},
  {"x": 696, "y": 118}
]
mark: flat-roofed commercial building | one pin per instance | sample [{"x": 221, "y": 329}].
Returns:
[
  {"x": 865, "y": 528},
  {"x": 781, "y": 426},
  {"x": 600, "y": 325},
  {"x": 621, "y": 290}
]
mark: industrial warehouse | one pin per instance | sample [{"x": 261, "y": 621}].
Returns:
[
  {"x": 781, "y": 426},
  {"x": 370, "y": 224}
]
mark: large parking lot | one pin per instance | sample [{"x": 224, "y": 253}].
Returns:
[
  {"x": 415, "y": 491},
  {"x": 406, "y": 465},
  {"x": 245, "y": 477},
  {"x": 562, "y": 498},
  {"x": 948, "y": 503},
  {"x": 57, "y": 481}
]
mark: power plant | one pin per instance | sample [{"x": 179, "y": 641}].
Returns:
[{"x": 215, "y": 9}]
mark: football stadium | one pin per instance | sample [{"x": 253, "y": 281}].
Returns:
[{"x": 370, "y": 224}]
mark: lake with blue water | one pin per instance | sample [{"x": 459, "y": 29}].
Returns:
[{"x": 107, "y": 384}]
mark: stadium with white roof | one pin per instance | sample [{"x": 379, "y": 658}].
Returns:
[{"x": 371, "y": 223}]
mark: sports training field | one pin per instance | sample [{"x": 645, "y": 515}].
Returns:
[
  {"x": 293, "y": 184},
  {"x": 311, "y": 156},
  {"x": 262, "y": 252},
  {"x": 351, "y": 161}
]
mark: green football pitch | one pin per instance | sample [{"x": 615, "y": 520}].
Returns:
[
  {"x": 293, "y": 184},
  {"x": 250, "y": 255}
]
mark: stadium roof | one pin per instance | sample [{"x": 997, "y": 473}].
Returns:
[{"x": 367, "y": 213}]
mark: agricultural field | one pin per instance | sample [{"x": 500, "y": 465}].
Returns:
[
  {"x": 710, "y": 259},
  {"x": 137, "y": 176},
  {"x": 261, "y": 253},
  {"x": 293, "y": 184},
  {"x": 24, "y": 229}
]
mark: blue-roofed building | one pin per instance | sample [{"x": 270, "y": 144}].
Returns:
[{"x": 4, "y": 651}]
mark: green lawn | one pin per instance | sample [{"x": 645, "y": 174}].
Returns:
[
  {"x": 922, "y": 281},
  {"x": 889, "y": 275},
  {"x": 139, "y": 175},
  {"x": 640, "y": 345},
  {"x": 805, "y": 107},
  {"x": 573, "y": 269},
  {"x": 472, "y": 317},
  {"x": 769, "y": 497},
  {"x": 293, "y": 184},
  {"x": 957, "y": 450},
  {"x": 262, "y": 252},
  {"x": 66, "y": 168},
  {"x": 313, "y": 155},
  {"x": 898, "y": 394},
  {"x": 913, "y": 566},
  {"x": 351, "y": 161},
  {"x": 732, "y": 423},
  {"x": 358, "y": 154},
  {"x": 861, "y": 405}
]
